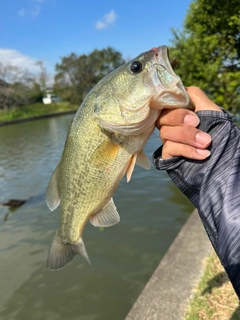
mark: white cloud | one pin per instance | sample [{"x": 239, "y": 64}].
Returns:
[
  {"x": 22, "y": 12},
  {"x": 16, "y": 58},
  {"x": 107, "y": 20},
  {"x": 36, "y": 11},
  {"x": 100, "y": 25},
  {"x": 110, "y": 17}
]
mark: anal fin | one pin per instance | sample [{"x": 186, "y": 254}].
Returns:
[{"x": 107, "y": 217}]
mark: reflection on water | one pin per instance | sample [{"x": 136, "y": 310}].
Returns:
[{"x": 123, "y": 257}]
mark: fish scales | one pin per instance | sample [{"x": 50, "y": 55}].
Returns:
[{"x": 105, "y": 141}]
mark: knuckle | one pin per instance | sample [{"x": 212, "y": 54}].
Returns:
[
  {"x": 174, "y": 117},
  {"x": 163, "y": 132}
]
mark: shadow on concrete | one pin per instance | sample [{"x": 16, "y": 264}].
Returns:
[{"x": 216, "y": 282}]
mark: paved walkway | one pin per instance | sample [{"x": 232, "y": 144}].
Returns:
[{"x": 167, "y": 293}]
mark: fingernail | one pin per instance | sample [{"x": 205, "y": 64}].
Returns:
[
  {"x": 203, "y": 152},
  {"x": 191, "y": 120},
  {"x": 203, "y": 138}
]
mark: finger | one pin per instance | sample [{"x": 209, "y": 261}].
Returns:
[
  {"x": 185, "y": 135},
  {"x": 172, "y": 149},
  {"x": 177, "y": 117}
]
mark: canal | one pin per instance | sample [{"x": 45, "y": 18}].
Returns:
[{"x": 123, "y": 257}]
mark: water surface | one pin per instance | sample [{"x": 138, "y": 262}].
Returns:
[{"x": 123, "y": 257}]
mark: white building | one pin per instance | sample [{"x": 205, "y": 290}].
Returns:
[{"x": 50, "y": 98}]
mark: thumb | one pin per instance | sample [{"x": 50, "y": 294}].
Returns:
[{"x": 201, "y": 101}]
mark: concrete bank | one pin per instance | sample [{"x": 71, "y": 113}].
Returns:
[
  {"x": 168, "y": 292},
  {"x": 5, "y": 123}
]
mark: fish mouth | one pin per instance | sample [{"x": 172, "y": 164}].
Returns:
[
  {"x": 165, "y": 68},
  {"x": 174, "y": 62},
  {"x": 170, "y": 92},
  {"x": 166, "y": 78}
]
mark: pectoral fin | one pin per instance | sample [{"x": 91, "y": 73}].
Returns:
[
  {"x": 52, "y": 196},
  {"x": 107, "y": 217},
  {"x": 104, "y": 155}
]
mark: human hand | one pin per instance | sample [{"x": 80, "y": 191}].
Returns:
[{"x": 179, "y": 134}]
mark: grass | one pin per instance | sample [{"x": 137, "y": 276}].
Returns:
[
  {"x": 36, "y": 109},
  {"x": 214, "y": 297}
]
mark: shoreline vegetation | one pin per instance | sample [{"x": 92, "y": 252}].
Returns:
[
  {"x": 35, "y": 110},
  {"x": 214, "y": 297}
]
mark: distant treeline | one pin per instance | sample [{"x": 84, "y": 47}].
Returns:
[
  {"x": 18, "y": 87},
  {"x": 77, "y": 74},
  {"x": 208, "y": 47}
]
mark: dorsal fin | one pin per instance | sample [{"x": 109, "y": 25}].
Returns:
[{"x": 52, "y": 196}]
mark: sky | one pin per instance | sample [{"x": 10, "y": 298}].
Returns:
[{"x": 46, "y": 30}]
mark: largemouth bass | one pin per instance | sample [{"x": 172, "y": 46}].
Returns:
[{"x": 104, "y": 142}]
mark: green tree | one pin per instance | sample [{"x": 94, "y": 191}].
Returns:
[
  {"x": 208, "y": 47},
  {"x": 76, "y": 75}
]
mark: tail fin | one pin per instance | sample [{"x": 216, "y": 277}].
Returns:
[{"x": 61, "y": 253}]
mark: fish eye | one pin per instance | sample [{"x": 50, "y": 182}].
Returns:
[{"x": 136, "y": 66}]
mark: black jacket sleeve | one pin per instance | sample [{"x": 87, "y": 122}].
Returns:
[{"x": 213, "y": 186}]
